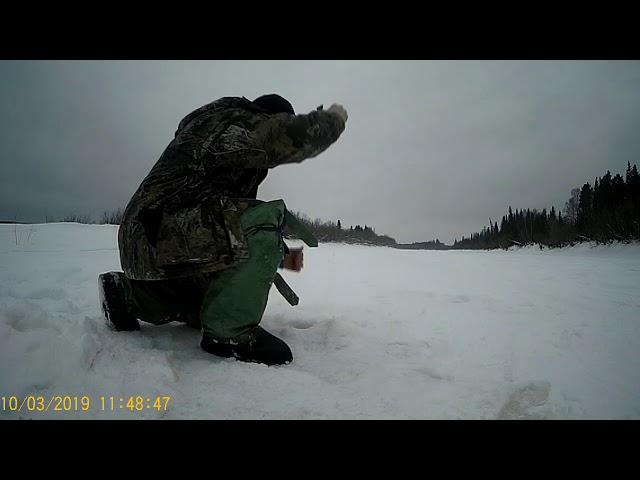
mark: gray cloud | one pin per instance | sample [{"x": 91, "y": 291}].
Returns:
[{"x": 431, "y": 149}]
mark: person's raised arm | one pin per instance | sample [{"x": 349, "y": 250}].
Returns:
[{"x": 281, "y": 139}]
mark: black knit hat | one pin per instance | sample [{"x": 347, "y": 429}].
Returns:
[{"x": 274, "y": 103}]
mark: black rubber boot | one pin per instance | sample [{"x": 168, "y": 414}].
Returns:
[
  {"x": 259, "y": 347},
  {"x": 112, "y": 301}
]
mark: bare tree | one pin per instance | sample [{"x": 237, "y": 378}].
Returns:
[
  {"x": 112, "y": 217},
  {"x": 571, "y": 207}
]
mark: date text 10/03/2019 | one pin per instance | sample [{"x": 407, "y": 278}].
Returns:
[{"x": 84, "y": 403}]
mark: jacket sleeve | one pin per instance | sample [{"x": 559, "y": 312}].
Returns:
[{"x": 279, "y": 139}]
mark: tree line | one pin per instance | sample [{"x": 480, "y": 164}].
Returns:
[
  {"x": 329, "y": 231},
  {"x": 108, "y": 217},
  {"x": 324, "y": 230},
  {"x": 606, "y": 211}
]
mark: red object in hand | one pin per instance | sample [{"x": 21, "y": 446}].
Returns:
[{"x": 294, "y": 260}]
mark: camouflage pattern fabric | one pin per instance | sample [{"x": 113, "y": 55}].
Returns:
[{"x": 184, "y": 219}]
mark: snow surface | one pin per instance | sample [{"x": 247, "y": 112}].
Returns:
[{"x": 379, "y": 333}]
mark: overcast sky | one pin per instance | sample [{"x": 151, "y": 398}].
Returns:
[{"x": 431, "y": 148}]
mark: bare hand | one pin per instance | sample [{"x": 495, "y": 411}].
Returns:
[{"x": 294, "y": 260}]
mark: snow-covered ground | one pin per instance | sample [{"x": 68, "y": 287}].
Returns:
[{"x": 379, "y": 333}]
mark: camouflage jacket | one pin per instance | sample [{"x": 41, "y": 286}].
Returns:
[{"x": 184, "y": 219}]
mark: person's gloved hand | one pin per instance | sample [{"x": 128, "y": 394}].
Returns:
[{"x": 338, "y": 110}]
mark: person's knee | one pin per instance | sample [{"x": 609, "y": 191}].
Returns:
[
  {"x": 279, "y": 204},
  {"x": 267, "y": 213},
  {"x": 281, "y": 208},
  {"x": 277, "y": 209}
]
